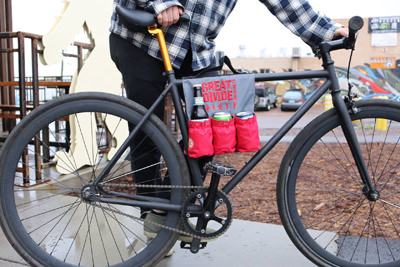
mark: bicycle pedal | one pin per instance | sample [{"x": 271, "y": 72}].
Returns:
[
  {"x": 193, "y": 246},
  {"x": 221, "y": 169}
]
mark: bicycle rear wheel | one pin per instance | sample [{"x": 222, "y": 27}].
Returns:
[
  {"x": 320, "y": 193},
  {"x": 44, "y": 173}
]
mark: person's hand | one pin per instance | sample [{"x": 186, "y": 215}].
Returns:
[
  {"x": 169, "y": 16},
  {"x": 341, "y": 32}
]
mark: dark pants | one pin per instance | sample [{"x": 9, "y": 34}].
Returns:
[{"x": 144, "y": 81}]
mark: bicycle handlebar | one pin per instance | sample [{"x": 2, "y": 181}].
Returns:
[{"x": 355, "y": 24}]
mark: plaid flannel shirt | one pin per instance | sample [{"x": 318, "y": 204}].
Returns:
[{"x": 207, "y": 18}]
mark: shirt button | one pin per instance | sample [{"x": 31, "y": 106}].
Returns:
[{"x": 200, "y": 7}]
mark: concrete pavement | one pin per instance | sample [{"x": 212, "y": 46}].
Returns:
[{"x": 244, "y": 244}]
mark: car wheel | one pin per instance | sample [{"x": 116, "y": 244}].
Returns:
[{"x": 268, "y": 106}]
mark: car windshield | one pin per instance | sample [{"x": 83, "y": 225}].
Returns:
[
  {"x": 292, "y": 94},
  {"x": 260, "y": 91}
]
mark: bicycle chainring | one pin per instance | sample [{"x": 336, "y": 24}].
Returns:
[{"x": 213, "y": 221}]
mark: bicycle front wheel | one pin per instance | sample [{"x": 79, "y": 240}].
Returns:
[
  {"x": 320, "y": 192},
  {"x": 47, "y": 168}
]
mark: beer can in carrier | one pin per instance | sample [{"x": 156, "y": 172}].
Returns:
[
  {"x": 222, "y": 116},
  {"x": 245, "y": 115}
]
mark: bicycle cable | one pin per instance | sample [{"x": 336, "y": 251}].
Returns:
[{"x": 349, "y": 84}]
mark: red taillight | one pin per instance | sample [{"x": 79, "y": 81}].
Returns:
[
  {"x": 301, "y": 100},
  {"x": 283, "y": 100}
]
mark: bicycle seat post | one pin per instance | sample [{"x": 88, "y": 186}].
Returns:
[{"x": 163, "y": 46}]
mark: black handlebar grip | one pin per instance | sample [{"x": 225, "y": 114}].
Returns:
[{"x": 355, "y": 24}]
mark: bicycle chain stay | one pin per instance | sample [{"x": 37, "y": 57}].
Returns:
[{"x": 179, "y": 231}]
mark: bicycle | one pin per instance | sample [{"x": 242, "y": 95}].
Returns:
[{"x": 347, "y": 216}]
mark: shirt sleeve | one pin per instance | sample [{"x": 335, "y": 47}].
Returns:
[{"x": 301, "y": 19}]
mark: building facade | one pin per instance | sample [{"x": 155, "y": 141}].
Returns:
[{"x": 372, "y": 44}]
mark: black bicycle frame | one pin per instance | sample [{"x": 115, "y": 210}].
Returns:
[{"x": 331, "y": 84}]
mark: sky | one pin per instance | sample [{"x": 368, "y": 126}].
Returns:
[
  {"x": 250, "y": 26},
  {"x": 253, "y": 26}
]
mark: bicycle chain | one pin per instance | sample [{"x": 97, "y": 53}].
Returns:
[
  {"x": 179, "y": 231},
  {"x": 105, "y": 184}
]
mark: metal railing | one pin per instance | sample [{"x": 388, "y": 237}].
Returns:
[
  {"x": 10, "y": 111},
  {"x": 27, "y": 88}
]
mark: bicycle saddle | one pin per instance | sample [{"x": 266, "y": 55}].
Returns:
[{"x": 133, "y": 19}]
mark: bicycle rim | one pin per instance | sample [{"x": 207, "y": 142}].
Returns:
[
  {"x": 43, "y": 211},
  {"x": 320, "y": 193}
]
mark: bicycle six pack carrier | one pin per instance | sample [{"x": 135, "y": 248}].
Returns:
[{"x": 224, "y": 93}]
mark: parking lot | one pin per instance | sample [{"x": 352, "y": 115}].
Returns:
[{"x": 275, "y": 118}]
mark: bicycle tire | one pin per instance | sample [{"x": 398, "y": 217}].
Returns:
[
  {"x": 319, "y": 191},
  {"x": 50, "y": 224}
]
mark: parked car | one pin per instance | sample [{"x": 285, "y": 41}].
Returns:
[
  {"x": 264, "y": 98},
  {"x": 292, "y": 99}
]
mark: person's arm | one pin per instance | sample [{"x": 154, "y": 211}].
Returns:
[{"x": 300, "y": 18}]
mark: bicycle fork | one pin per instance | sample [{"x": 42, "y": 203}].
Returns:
[{"x": 369, "y": 189}]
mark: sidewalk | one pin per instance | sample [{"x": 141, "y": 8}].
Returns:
[
  {"x": 8, "y": 256},
  {"x": 247, "y": 244},
  {"x": 244, "y": 244}
]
